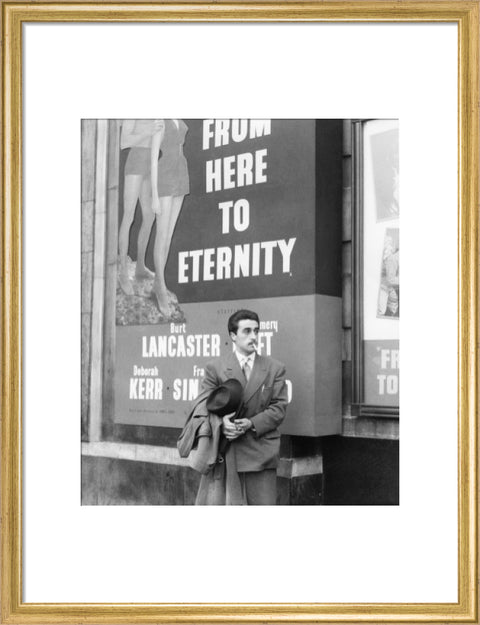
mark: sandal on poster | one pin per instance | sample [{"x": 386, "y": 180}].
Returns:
[
  {"x": 144, "y": 274},
  {"x": 160, "y": 297},
  {"x": 172, "y": 298},
  {"x": 125, "y": 284}
]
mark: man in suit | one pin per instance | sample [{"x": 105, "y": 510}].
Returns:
[{"x": 255, "y": 438}]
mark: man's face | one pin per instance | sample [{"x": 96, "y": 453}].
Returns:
[{"x": 246, "y": 337}]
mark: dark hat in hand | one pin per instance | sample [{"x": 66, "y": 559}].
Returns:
[{"x": 226, "y": 398}]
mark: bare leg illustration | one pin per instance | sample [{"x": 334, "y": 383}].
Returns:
[{"x": 166, "y": 219}]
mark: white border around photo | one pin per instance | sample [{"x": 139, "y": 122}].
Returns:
[{"x": 405, "y": 553}]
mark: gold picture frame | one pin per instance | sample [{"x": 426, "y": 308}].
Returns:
[{"x": 466, "y": 15}]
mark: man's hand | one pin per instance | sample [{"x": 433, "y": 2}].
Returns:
[
  {"x": 229, "y": 429},
  {"x": 243, "y": 425}
]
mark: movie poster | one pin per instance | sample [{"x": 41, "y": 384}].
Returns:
[
  {"x": 381, "y": 277},
  {"x": 217, "y": 215}
]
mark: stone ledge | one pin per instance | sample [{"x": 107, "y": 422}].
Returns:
[
  {"x": 135, "y": 452},
  {"x": 288, "y": 467},
  {"x": 381, "y": 428},
  {"x": 300, "y": 467}
]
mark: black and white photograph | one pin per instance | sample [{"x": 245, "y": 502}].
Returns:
[{"x": 219, "y": 343}]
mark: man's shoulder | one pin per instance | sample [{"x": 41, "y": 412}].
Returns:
[
  {"x": 273, "y": 362},
  {"x": 217, "y": 363}
]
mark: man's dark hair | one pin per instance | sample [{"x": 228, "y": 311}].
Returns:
[{"x": 240, "y": 315}]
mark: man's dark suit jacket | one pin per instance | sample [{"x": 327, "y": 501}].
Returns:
[{"x": 265, "y": 400}]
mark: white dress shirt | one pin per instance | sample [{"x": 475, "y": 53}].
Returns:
[{"x": 243, "y": 359}]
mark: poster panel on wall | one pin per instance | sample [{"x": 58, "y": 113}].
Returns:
[
  {"x": 381, "y": 278},
  {"x": 243, "y": 206}
]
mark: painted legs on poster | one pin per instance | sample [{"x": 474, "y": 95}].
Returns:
[
  {"x": 166, "y": 219},
  {"x": 136, "y": 187}
]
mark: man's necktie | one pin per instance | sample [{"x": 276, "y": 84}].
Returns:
[{"x": 246, "y": 370}]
